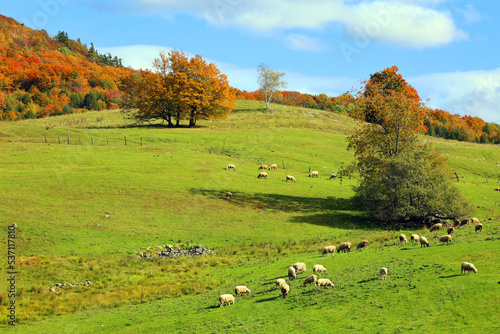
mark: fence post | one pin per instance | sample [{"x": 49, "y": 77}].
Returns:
[
  {"x": 107, "y": 141},
  {"x": 45, "y": 138},
  {"x": 92, "y": 140},
  {"x": 486, "y": 176},
  {"x": 59, "y": 138},
  {"x": 125, "y": 140},
  {"x": 283, "y": 164},
  {"x": 68, "y": 139},
  {"x": 141, "y": 141}
]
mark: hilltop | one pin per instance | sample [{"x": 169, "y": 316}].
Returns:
[{"x": 44, "y": 76}]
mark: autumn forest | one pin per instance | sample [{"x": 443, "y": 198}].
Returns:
[{"x": 43, "y": 76}]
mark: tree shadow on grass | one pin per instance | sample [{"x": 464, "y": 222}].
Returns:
[
  {"x": 368, "y": 280},
  {"x": 330, "y": 211}
]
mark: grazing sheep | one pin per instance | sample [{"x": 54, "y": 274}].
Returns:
[
  {"x": 324, "y": 282},
  {"x": 479, "y": 227},
  {"x": 241, "y": 289},
  {"x": 436, "y": 227},
  {"x": 292, "y": 274},
  {"x": 450, "y": 230},
  {"x": 263, "y": 167},
  {"x": 300, "y": 267},
  {"x": 333, "y": 176},
  {"x": 475, "y": 221},
  {"x": 310, "y": 279},
  {"x": 280, "y": 282},
  {"x": 226, "y": 298},
  {"x": 402, "y": 238},
  {"x": 497, "y": 189},
  {"x": 464, "y": 221},
  {"x": 262, "y": 175},
  {"x": 445, "y": 238},
  {"x": 362, "y": 244},
  {"x": 314, "y": 173},
  {"x": 414, "y": 238},
  {"x": 285, "y": 289},
  {"x": 229, "y": 196},
  {"x": 328, "y": 250},
  {"x": 290, "y": 178},
  {"x": 423, "y": 242},
  {"x": 468, "y": 267},
  {"x": 383, "y": 273},
  {"x": 273, "y": 167},
  {"x": 318, "y": 268},
  {"x": 456, "y": 222},
  {"x": 345, "y": 247},
  {"x": 231, "y": 166}
]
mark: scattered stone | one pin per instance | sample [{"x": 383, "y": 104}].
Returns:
[{"x": 174, "y": 252}]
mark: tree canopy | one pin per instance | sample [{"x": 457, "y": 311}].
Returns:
[
  {"x": 181, "y": 88},
  {"x": 401, "y": 179},
  {"x": 270, "y": 81}
]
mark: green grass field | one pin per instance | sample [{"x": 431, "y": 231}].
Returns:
[{"x": 84, "y": 209}]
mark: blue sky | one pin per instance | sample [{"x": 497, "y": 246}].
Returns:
[{"x": 447, "y": 49}]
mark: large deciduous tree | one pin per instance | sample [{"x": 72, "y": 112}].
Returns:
[
  {"x": 401, "y": 179},
  {"x": 181, "y": 88},
  {"x": 270, "y": 81}
]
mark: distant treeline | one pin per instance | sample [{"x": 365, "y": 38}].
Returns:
[{"x": 438, "y": 123}]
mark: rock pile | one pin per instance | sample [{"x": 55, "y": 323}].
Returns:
[
  {"x": 173, "y": 252},
  {"x": 64, "y": 285}
]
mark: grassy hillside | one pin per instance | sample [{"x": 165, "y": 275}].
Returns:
[{"x": 86, "y": 207}]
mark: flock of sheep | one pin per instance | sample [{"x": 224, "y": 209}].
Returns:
[
  {"x": 300, "y": 267},
  {"x": 291, "y": 178}
]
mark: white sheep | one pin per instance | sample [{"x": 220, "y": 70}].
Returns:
[
  {"x": 324, "y": 282},
  {"x": 423, "y": 241},
  {"x": 445, "y": 238},
  {"x": 229, "y": 196},
  {"x": 300, "y": 267},
  {"x": 263, "y": 167},
  {"x": 414, "y": 238},
  {"x": 292, "y": 274},
  {"x": 273, "y": 167},
  {"x": 436, "y": 227},
  {"x": 475, "y": 221},
  {"x": 310, "y": 279},
  {"x": 479, "y": 227},
  {"x": 285, "y": 289},
  {"x": 328, "y": 250},
  {"x": 314, "y": 173},
  {"x": 468, "y": 267},
  {"x": 333, "y": 176},
  {"x": 402, "y": 238},
  {"x": 226, "y": 298},
  {"x": 362, "y": 244},
  {"x": 241, "y": 289},
  {"x": 383, "y": 273},
  {"x": 319, "y": 268},
  {"x": 290, "y": 178},
  {"x": 231, "y": 166},
  {"x": 280, "y": 282},
  {"x": 345, "y": 247},
  {"x": 262, "y": 175}
]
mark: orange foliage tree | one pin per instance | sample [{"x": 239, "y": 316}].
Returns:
[{"x": 181, "y": 88}]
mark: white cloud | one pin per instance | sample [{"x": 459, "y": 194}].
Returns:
[
  {"x": 416, "y": 24},
  {"x": 302, "y": 42}
]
